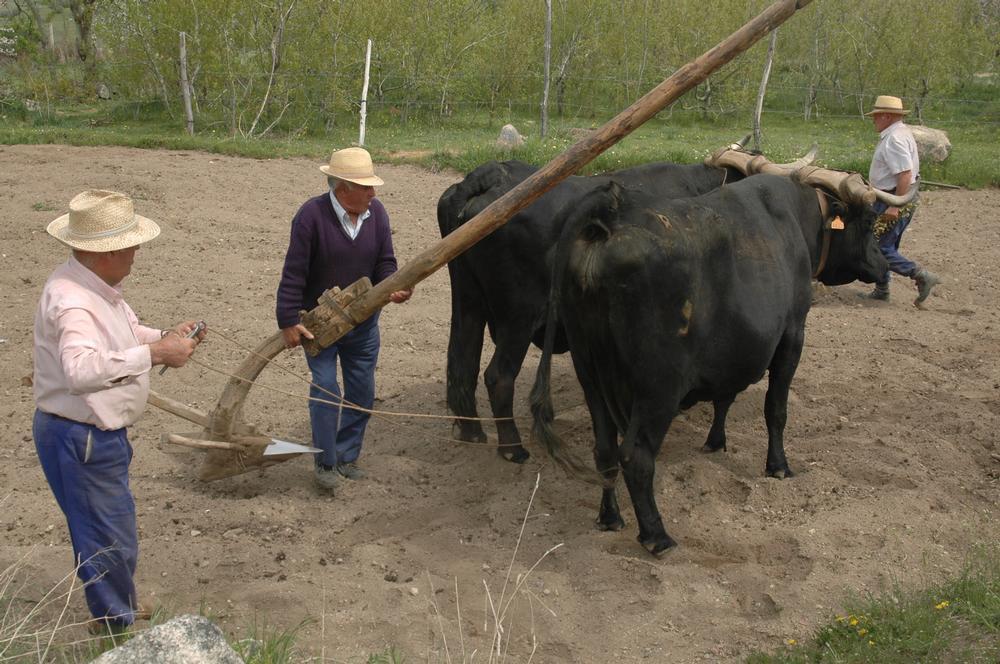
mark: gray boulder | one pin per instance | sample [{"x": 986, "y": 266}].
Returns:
[
  {"x": 509, "y": 138},
  {"x": 103, "y": 92},
  {"x": 187, "y": 639},
  {"x": 932, "y": 144}
]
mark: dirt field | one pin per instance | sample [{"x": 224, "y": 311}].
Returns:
[{"x": 892, "y": 430}]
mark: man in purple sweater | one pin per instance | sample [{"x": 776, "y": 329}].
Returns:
[{"x": 337, "y": 238}]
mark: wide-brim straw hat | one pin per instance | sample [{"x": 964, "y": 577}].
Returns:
[
  {"x": 102, "y": 221},
  {"x": 888, "y": 104},
  {"x": 353, "y": 165}
]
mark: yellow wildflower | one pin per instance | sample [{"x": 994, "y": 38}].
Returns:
[
  {"x": 790, "y": 642},
  {"x": 941, "y": 605},
  {"x": 862, "y": 631},
  {"x": 854, "y": 621},
  {"x": 871, "y": 643}
]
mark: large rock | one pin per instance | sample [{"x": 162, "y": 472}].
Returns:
[
  {"x": 509, "y": 138},
  {"x": 932, "y": 144},
  {"x": 188, "y": 639}
]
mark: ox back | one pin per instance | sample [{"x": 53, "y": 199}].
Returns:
[
  {"x": 502, "y": 282},
  {"x": 666, "y": 303}
]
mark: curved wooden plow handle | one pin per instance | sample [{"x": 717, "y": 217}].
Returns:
[{"x": 224, "y": 423}]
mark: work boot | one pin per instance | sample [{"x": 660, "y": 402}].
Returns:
[
  {"x": 350, "y": 471},
  {"x": 925, "y": 282},
  {"x": 326, "y": 478},
  {"x": 880, "y": 293}
]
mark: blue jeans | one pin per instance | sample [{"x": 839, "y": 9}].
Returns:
[
  {"x": 888, "y": 244},
  {"x": 335, "y": 430},
  {"x": 87, "y": 469}
]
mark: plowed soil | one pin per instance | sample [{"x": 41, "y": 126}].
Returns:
[{"x": 891, "y": 430}]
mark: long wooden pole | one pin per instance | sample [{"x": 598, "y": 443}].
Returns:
[
  {"x": 225, "y": 418},
  {"x": 576, "y": 157}
]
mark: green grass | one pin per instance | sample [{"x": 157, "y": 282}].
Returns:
[
  {"x": 955, "y": 621},
  {"x": 464, "y": 142}
]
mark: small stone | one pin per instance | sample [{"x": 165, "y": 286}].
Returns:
[
  {"x": 195, "y": 533},
  {"x": 414, "y": 591},
  {"x": 391, "y": 577}
]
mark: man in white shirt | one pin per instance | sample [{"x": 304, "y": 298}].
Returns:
[
  {"x": 895, "y": 168},
  {"x": 91, "y": 381}
]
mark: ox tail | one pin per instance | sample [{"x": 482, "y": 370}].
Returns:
[{"x": 588, "y": 222}]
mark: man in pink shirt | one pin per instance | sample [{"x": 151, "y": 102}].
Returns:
[{"x": 92, "y": 363}]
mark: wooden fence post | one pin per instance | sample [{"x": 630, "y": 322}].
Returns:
[
  {"x": 185, "y": 88},
  {"x": 364, "y": 94}
]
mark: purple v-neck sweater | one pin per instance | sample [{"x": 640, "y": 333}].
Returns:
[{"x": 321, "y": 256}]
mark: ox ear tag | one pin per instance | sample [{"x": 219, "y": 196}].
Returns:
[{"x": 837, "y": 224}]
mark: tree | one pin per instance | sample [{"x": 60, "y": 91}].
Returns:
[{"x": 83, "y": 16}]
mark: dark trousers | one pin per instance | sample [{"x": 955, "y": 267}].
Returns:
[
  {"x": 338, "y": 431},
  {"x": 87, "y": 469},
  {"x": 888, "y": 244}
]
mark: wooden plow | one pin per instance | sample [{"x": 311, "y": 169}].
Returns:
[{"x": 233, "y": 447}]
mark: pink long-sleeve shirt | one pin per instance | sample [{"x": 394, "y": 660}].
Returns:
[{"x": 91, "y": 359}]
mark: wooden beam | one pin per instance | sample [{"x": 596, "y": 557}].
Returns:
[
  {"x": 177, "y": 439},
  {"x": 572, "y": 160},
  {"x": 179, "y": 409}
]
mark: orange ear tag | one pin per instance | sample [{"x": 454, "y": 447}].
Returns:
[{"x": 837, "y": 224}]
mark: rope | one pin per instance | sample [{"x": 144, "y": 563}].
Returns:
[
  {"x": 379, "y": 414},
  {"x": 343, "y": 402}
]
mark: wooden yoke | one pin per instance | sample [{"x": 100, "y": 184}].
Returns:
[
  {"x": 846, "y": 186},
  {"x": 341, "y": 311}
]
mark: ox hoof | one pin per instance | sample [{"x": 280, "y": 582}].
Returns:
[
  {"x": 781, "y": 473},
  {"x": 709, "y": 448},
  {"x": 659, "y": 545},
  {"x": 514, "y": 454},
  {"x": 459, "y": 432},
  {"x": 611, "y": 525}
]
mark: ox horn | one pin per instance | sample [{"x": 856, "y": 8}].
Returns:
[
  {"x": 852, "y": 187},
  {"x": 893, "y": 200},
  {"x": 805, "y": 160}
]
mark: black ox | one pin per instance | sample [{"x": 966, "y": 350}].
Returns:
[
  {"x": 666, "y": 303},
  {"x": 502, "y": 282}
]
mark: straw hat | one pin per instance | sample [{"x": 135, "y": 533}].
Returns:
[
  {"x": 353, "y": 165},
  {"x": 888, "y": 104},
  {"x": 102, "y": 221}
]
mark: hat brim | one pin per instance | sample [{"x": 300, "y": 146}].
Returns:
[
  {"x": 144, "y": 230},
  {"x": 891, "y": 111},
  {"x": 365, "y": 181}
]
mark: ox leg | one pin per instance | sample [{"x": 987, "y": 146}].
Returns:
[
  {"x": 780, "y": 373},
  {"x": 717, "y": 434},
  {"x": 499, "y": 378},
  {"x": 465, "y": 347},
  {"x": 606, "y": 461},
  {"x": 638, "y": 469}
]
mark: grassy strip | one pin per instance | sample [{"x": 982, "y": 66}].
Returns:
[
  {"x": 464, "y": 142},
  {"x": 954, "y": 621}
]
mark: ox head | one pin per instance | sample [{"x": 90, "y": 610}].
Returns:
[
  {"x": 853, "y": 252},
  {"x": 853, "y": 249}
]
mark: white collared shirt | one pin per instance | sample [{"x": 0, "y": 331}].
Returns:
[
  {"x": 91, "y": 359},
  {"x": 352, "y": 230},
  {"x": 896, "y": 152}
]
